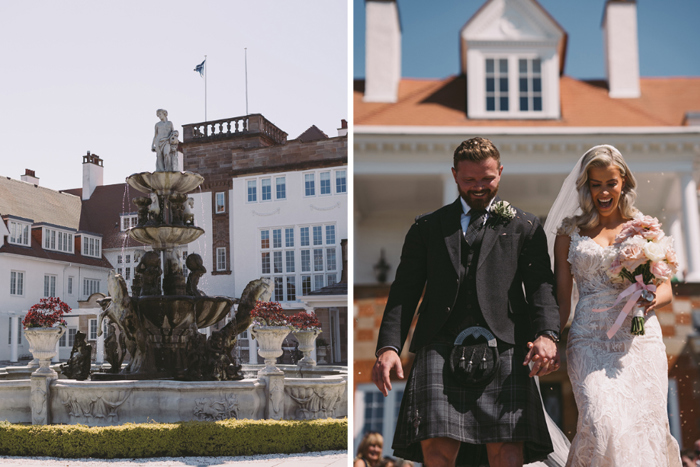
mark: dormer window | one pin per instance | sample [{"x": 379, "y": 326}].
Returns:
[
  {"x": 57, "y": 240},
  {"x": 513, "y": 87},
  {"x": 128, "y": 221},
  {"x": 92, "y": 246},
  {"x": 530, "y": 84},
  {"x": 19, "y": 233}
]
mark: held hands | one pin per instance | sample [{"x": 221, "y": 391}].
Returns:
[
  {"x": 386, "y": 361},
  {"x": 544, "y": 355}
]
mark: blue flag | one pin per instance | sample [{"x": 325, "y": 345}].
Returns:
[{"x": 200, "y": 68}]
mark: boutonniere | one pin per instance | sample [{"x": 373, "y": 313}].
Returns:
[{"x": 502, "y": 212}]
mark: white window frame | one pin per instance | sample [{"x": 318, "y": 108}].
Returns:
[
  {"x": 17, "y": 280},
  {"x": 335, "y": 181},
  {"x": 220, "y": 202},
  {"x": 320, "y": 183},
  {"x": 92, "y": 334},
  {"x": 91, "y": 246},
  {"x": 248, "y": 182},
  {"x": 262, "y": 190},
  {"x": 20, "y": 233},
  {"x": 313, "y": 184},
  {"x": 50, "y": 285},
  {"x": 90, "y": 286},
  {"x": 284, "y": 187},
  {"x": 221, "y": 259},
  {"x": 128, "y": 221},
  {"x": 71, "y": 285},
  {"x": 57, "y": 239}
]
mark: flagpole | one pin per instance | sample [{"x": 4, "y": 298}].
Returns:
[
  {"x": 246, "y": 80},
  {"x": 205, "y": 88}
]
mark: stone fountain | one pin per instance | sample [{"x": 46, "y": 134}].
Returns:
[{"x": 174, "y": 373}]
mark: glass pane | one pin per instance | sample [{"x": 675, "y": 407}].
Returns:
[
  {"x": 537, "y": 104},
  {"x": 318, "y": 260},
  {"x": 266, "y": 263},
  {"x": 304, "y": 233},
  {"x": 504, "y": 103},
  {"x": 330, "y": 234},
  {"x": 278, "y": 262},
  {"x": 289, "y": 237},
  {"x": 523, "y": 103},
  {"x": 490, "y": 85},
  {"x": 289, "y": 260},
  {"x": 306, "y": 260},
  {"x": 522, "y": 66},
  {"x": 264, "y": 239},
  {"x": 277, "y": 238},
  {"x": 489, "y": 65},
  {"x": 503, "y": 65},
  {"x": 318, "y": 240},
  {"x": 536, "y": 65},
  {"x": 523, "y": 84},
  {"x": 490, "y": 104},
  {"x": 537, "y": 84},
  {"x": 503, "y": 84},
  {"x": 291, "y": 288}
]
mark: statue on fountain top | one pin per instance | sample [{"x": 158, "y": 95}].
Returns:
[{"x": 162, "y": 142}]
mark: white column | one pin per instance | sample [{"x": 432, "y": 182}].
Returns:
[
  {"x": 56, "y": 359},
  {"x": 336, "y": 357},
  {"x": 449, "y": 189},
  {"x": 14, "y": 329},
  {"x": 252, "y": 349},
  {"x": 675, "y": 228},
  {"x": 100, "y": 352},
  {"x": 691, "y": 226}
]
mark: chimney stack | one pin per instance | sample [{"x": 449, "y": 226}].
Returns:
[
  {"x": 621, "y": 46},
  {"x": 30, "y": 177},
  {"x": 92, "y": 174},
  {"x": 343, "y": 130},
  {"x": 382, "y": 51}
]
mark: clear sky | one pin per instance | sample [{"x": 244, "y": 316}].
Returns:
[
  {"x": 82, "y": 76},
  {"x": 669, "y": 36}
]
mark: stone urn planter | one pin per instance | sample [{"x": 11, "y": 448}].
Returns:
[
  {"x": 42, "y": 345},
  {"x": 307, "y": 343},
  {"x": 270, "y": 339}
]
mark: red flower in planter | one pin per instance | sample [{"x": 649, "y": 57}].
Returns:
[
  {"x": 268, "y": 314},
  {"x": 304, "y": 321},
  {"x": 46, "y": 314}
]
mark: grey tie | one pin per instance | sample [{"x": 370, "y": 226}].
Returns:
[{"x": 475, "y": 224}]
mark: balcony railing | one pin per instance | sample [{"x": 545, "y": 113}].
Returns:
[{"x": 233, "y": 127}]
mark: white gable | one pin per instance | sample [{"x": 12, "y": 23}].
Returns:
[{"x": 524, "y": 45}]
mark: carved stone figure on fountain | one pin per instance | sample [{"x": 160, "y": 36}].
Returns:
[
  {"x": 177, "y": 208},
  {"x": 174, "y": 280},
  {"x": 171, "y": 160},
  {"x": 220, "y": 365},
  {"x": 78, "y": 365},
  {"x": 188, "y": 214},
  {"x": 115, "y": 349},
  {"x": 144, "y": 204},
  {"x": 161, "y": 140},
  {"x": 154, "y": 212},
  {"x": 148, "y": 272},
  {"x": 196, "y": 267}
]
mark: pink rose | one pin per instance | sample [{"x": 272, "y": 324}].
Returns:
[{"x": 661, "y": 270}]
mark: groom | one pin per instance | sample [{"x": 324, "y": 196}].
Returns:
[{"x": 482, "y": 263}]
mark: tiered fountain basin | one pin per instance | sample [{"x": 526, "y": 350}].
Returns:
[
  {"x": 165, "y": 183},
  {"x": 162, "y": 237},
  {"x": 300, "y": 395}
]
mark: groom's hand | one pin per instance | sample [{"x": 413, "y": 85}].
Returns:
[
  {"x": 387, "y": 360},
  {"x": 544, "y": 356}
]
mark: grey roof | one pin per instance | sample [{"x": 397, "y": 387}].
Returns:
[
  {"x": 340, "y": 288},
  {"x": 39, "y": 204}
]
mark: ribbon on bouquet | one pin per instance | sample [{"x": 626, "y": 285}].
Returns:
[{"x": 634, "y": 291}]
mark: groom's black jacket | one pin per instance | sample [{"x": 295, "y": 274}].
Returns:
[{"x": 514, "y": 280}]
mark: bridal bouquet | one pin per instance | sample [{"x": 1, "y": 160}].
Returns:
[{"x": 643, "y": 258}]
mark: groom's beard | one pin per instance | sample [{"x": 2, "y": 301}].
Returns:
[{"x": 478, "y": 203}]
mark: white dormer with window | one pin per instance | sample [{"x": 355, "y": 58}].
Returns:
[
  {"x": 91, "y": 245},
  {"x": 55, "y": 238},
  {"x": 19, "y": 231},
  {"x": 512, "y": 53},
  {"x": 128, "y": 220}
]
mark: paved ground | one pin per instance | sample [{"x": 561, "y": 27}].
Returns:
[{"x": 313, "y": 459}]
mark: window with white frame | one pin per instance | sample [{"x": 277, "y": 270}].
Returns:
[
  {"x": 325, "y": 183},
  {"x": 92, "y": 329},
  {"x": 280, "y": 188},
  {"x": 68, "y": 338},
  {"x": 309, "y": 184},
  {"x": 497, "y": 85},
  {"x": 309, "y": 264},
  {"x": 252, "y": 186},
  {"x": 92, "y": 246},
  {"x": 530, "y": 84},
  {"x": 70, "y": 285},
  {"x": 90, "y": 286},
  {"x": 17, "y": 283},
  {"x": 49, "y": 285},
  {"x": 220, "y": 202},
  {"x": 57, "y": 240},
  {"x": 221, "y": 259},
  {"x": 265, "y": 189},
  {"x": 128, "y": 221},
  {"x": 341, "y": 181},
  {"x": 19, "y": 233}
]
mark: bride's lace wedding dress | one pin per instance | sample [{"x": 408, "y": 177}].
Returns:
[{"x": 620, "y": 384}]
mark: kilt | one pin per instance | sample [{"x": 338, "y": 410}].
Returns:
[{"x": 434, "y": 405}]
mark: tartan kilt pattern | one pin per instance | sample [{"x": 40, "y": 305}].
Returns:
[{"x": 434, "y": 405}]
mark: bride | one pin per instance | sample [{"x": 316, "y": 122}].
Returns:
[{"x": 620, "y": 384}]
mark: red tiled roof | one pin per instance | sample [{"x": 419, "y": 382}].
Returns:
[
  {"x": 101, "y": 213},
  {"x": 434, "y": 102}
]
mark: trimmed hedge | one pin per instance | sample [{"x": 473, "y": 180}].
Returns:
[{"x": 223, "y": 438}]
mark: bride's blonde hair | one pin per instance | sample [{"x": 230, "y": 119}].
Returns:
[{"x": 600, "y": 157}]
